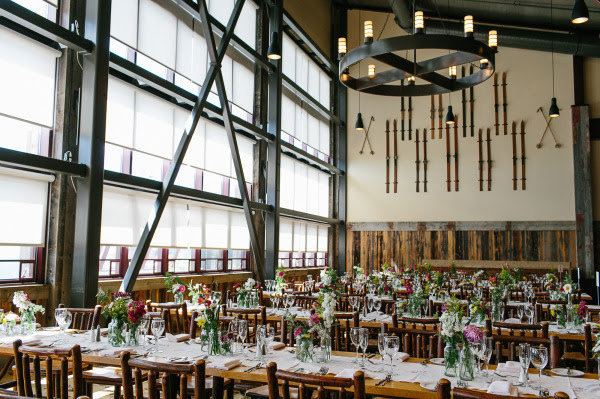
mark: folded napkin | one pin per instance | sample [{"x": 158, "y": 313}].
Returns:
[
  {"x": 401, "y": 356},
  {"x": 349, "y": 373},
  {"x": 503, "y": 388},
  {"x": 512, "y": 320},
  {"x": 31, "y": 341},
  {"x": 178, "y": 337},
  {"x": 225, "y": 363},
  {"x": 275, "y": 345},
  {"x": 509, "y": 367},
  {"x": 116, "y": 353}
]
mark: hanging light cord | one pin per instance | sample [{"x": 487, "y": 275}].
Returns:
[
  {"x": 384, "y": 25},
  {"x": 552, "y": 47},
  {"x": 359, "y": 20}
]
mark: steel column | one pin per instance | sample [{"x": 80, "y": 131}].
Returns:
[
  {"x": 161, "y": 201},
  {"x": 84, "y": 283},
  {"x": 274, "y": 146}
]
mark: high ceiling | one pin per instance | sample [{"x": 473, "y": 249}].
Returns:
[{"x": 529, "y": 13}]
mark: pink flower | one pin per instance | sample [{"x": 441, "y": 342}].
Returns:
[
  {"x": 314, "y": 318},
  {"x": 181, "y": 288},
  {"x": 582, "y": 309},
  {"x": 297, "y": 332},
  {"x": 135, "y": 311},
  {"x": 473, "y": 334},
  {"x": 280, "y": 274}
]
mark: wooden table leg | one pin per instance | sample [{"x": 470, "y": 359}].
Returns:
[{"x": 217, "y": 388}]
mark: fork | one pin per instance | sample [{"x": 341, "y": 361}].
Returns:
[
  {"x": 323, "y": 370},
  {"x": 251, "y": 369}
]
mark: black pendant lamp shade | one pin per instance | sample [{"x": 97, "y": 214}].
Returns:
[
  {"x": 554, "y": 112},
  {"x": 360, "y": 125},
  {"x": 274, "y": 52},
  {"x": 450, "y": 116},
  {"x": 580, "y": 13}
]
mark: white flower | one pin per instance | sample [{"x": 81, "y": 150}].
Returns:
[
  {"x": 568, "y": 288},
  {"x": 250, "y": 283},
  {"x": 20, "y": 300},
  {"x": 202, "y": 308}
]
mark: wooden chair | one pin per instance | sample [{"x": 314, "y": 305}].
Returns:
[
  {"x": 417, "y": 342},
  {"x": 176, "y": 318},
  {"x": 577, "y": 354},
  {"x": 542, "y": 308},
  {"x": 57, "y": 385},
  {"x": 85, "y": 319},
  {"x": 425, "y": 323},
  {"x": 172, "y": 380},
  {"x": 305, "y": 301},
  {"x": 255, "y": 317},
  {"x": 444, "y": 391},
  {"x": 520, "y": 329},
  {"x": 506, "y": 347},
  {"x": 340, "y": 333},
  {"x": 307, "y": 382}
]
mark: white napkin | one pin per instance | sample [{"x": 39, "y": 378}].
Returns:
[
  {"x": 275, "y": 345},
  {"x": 31, "y": 341},
  {"x": 503, "y": 388},
  {"x": 349, "y": 373},
  {"x": 509, "y": 367},
  {"x": 401, "y": 356},
  {"x": 178, "y": 337},
  {"x": 512, "y": 320},
  {"x": 224, "y": 363}
]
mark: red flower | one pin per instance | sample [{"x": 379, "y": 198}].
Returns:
[
  {"x": 181, "y": 288},
  {"x": 135, "y": 311}
]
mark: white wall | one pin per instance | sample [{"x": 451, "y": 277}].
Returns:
[{"x": 549, "y": 194}]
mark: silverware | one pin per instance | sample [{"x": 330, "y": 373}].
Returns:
[
  {"x": 323, "y": 370},
  {"x": 251, "y": 369},
  {"x": 383, "y": 381},
  {"x": 462, "y": 384}
]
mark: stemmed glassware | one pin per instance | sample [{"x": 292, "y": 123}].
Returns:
[
  {"x": 242, "y": 332},
  {"x": 217, "y": 296},
  {"x": 144, "y": 325},
  {"x": 275, "y": 300},
  {"x": 355, "y": 337},
  {"x": 381, "y": 345},
  {"x": 538, "y": 355},
  {"x": 520, "y": 312},
  {"x": 370, "y": 303},
  {"x": 487, "y": 350},
  {"x": 233, "y": 329},
  {"x": 528, "y": 310},
  {"x": 63, "y": 318},
  {"x": 392, "y": 345},
  {"x": 353, "y": 301},
  {"x": 269, "y": 336},
  {"x": 524, "y": 360},
  {"x": 364, "y": 343},
  {"x": 253, "y": 301},
  {"x": 477, "y": 347},
  {"x": 158, "y": 328},
  {"x": 376, "y": 304}
]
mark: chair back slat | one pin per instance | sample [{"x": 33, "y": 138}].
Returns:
[
  {"x": 85, "y": 318},
  {"x": 176, "y": 315}
]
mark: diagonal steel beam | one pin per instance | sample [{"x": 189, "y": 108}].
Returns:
[
  {"x": 169, "y": 180},
  {"x": 402, "y": 63},
  {"x": 257, "y": 250}
]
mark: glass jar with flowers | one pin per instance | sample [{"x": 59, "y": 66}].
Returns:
[
  {"x": 175, "y": 286},
  {"x": 453, "y": 323},
  {"x": 244, "y": 293},
  {"x": 136, "y": 310},
  {"x": 472, "y": 336},
  {"x": 116, "y": 310},
  {"x": 208, "y": 321},
  {"x": 198, "y": 293},
  {"x": 10, "y": 323},
  {"x": 580, "y": 314},
  {"x": 280, "y": 274},
  {"x": 27, "y": 310},
  {"x": 478, "y": 310}
]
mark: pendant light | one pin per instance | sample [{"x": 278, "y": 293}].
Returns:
[
  {"x": 580, "y": 13},
  {"x": 274, "y": 51},
  {"x": 553, "y": 111},
  {"x": 450, "y": 116},
  {"x": 360, "y": 125}
]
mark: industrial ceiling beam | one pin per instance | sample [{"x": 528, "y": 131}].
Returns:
[{"x": 169, "y": 180}]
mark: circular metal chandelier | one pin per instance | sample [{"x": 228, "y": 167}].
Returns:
[{"x": 462, "y": 50}]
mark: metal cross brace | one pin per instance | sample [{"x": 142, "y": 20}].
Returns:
[
  {"x": 367, "y": 138},
  {"x": 548, "y": 127},
  {"x": 213, "y": 75}
]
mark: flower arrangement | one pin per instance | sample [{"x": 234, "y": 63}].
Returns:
[
  {"x": 175, "y": 286},
  {"x": 507, "y": 276},
  {"x": 416, "y": 300},
  {"x": 280, "y": 277},
  {"x": 478, "y": 310},
  {"x": 359, "y": 274},
  {"x": 453, "y": 321},
  {"x": 27, "y": 309},
  {"x": 243, "y": 291},
  {"x": 208, "y": 321},
  {"x": 473, "y": 334},
  {"x": 198, "y": 293},
  {"x": 123, "y": 312}
]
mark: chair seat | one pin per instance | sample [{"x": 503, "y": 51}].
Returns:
[
  {"x": 105, "y": 376},
  {"x": 208, "y": 384},
  {"x": 574, "y": 356},
  {"x": 263, "y": 392}
]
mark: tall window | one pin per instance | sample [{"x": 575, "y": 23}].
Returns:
[
  {"x": 302, "y": 244},
  {"x": 304, "y": 188}
]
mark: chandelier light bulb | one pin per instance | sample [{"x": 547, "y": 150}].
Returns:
[
  {"x": 469, "y": 25},
  {"x": 419, "y": 22},
  {"x": 483, "y": 63},
  {"x": 493, "y": 39},
  {"x": 411, "y": 80},
  {"x": 452, "y": 72},
  {"x": 580, "y": 13},
  {"x": 368, "y": 31},
  {"x": 371, "y": 71},
  {"x": 342, "y": 47}
]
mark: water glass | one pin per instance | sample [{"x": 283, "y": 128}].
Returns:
[
  {"x": 364, "y": 343},
  {"x": 376, "y": 304},
  {"x": 355, "y": 337},
  {"x": 381, "y": 345},
  {"x": 370, "y": 303},
  {"x": 158, "y": 328},
  {"x": 538, "y": 355},
  {"x": 523, "y": 352},
  {"x": 487, "y": 350},
  {"x": 392, "y": 345},
  {"x": 242, "y": 332}
]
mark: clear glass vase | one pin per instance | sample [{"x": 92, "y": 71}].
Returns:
[
  {"x": 178, "y": 297},
  {"x": 214, "y": 343},
  {"x": 28, "y": 323},
  {"x": 325, "y": 348},
  {"x": 466, "y": 368},
  {"x": 133, "y": 335},
  {"x": 304, "y": 349},
  {"x": 116, "y": 336},
  {"x": 451, "y": 359}
]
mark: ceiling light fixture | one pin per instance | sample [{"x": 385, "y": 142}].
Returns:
[
  {"x": 553, "y": 112},
  {"x": 580, "y": 13},
  {"x": 274, "y": 51}
]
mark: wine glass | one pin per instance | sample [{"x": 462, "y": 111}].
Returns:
[
  {"x": 476, "y": 350},
  {"x": 370, "y": 303},
  {"x": 523, "y": 351},
  {"x": 144, "y": 325},
  {"x": 217, "y": 296},
  {"x": 538, "y": 355},
  {"x": 270, "y": 336},
  {"x": 275, "y": 300},
  {"x": 381, "y": 345},
  {"x": 488, "y": 349},
  {"x": 528, "y": 310},
  {"x": 158, "y": 328},
  {"x": 233, "y": 329},
  {"x": 392, "y": 345},
  {"x": 520, "y": 312},
  {"x": 376, "y": 304},
  {"x": 355, "y": 337},
  {"x": 242, "y": 332},
  {"x": 353, "y": 301},
  {"x": 60, "y": 315},
  {"x": 364, "y": 343}
]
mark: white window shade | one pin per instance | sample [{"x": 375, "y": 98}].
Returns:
[
  {"x": 323, "y": 194},
  {"x": 191, "y": 60},
  {"x": 304, "y": 188},
  {"x": 287, "y": 182},
  {"x": 221, "y": 10},
  {"x": 217, "y": 155},
  {"x": 23, "y": 207},
  {"x": 311, "y": 238},
  {"x": 288, "y": 57},
  {"x": 313, "y": 81},
  {"x": 288, "y": 115},
  {"x": 324, "y": 132},
  {"x": 157, "y": 32},
  {"x": 286, "y": 231},
  {"x": 27, "y": 78},
  {"x": 323, "y": 238},
  {"x": 299, "y": 237},
  {"x": 153, "y": 125},
  {"x": 301, "y": 132},
  {"x": 313, "y": 132},
  {"x": 120, "y": 111},
  {"x": 245, "y": 28},
  {"x": 300, "y": 187},
  {"x": 243, "y": 87},
  {"x": 324, "y": 89},
  {"x": 123, "y": 21},
  {"x": 183, "y": 224}
]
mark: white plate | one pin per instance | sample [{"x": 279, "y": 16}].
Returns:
[
  {"x": 430, "y": 386},
  {"x": 437, "y": 360},
  {"x": 565, "y": 372}
]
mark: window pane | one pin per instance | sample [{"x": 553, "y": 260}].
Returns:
[
  {"x": 212, "y": 259},
  {"x": 20, "y": 136},
  {"x": 147, "y": 166},
  {"x": 113, "y": 158}
]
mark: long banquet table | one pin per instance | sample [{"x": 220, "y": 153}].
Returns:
[{"x": 405, "y": 381}]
